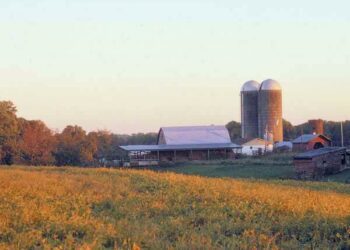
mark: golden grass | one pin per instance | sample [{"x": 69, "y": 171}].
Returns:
[{"x": 68, "y": 208}]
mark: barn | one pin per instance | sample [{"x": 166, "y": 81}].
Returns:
[
  {"x": 321, "y": 162},
  {"x": 181, "y": 144},
  {"x": 310, "y": 142}
]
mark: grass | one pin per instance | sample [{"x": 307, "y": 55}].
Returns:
[
  {"x": 236, "y": 170},
  {"x": 273, "y": 167},
  {"x": 68, "y": 208}
]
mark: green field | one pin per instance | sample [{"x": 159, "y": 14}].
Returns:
[{"x": 275, "y": 167}]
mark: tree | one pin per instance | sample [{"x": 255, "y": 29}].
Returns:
[
  {"x": 36, "y": 143},
  {"x": 289, "y": 132},
  {"x": 8, "y": 132},
  {"x": 104, "y": 143},
  {"x": 234, "y": 129},
  {"x": 75, "y": 147},
  {"x": 333, "y": 130}
]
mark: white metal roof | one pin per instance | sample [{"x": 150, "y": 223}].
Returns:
[
  {"x": 256, "y": 142},
  {"x": 195, "y": 135},
  {"x": 284, "y": 144},
  {"x": 250, "y": 86},
  {"x": 270, "y": 84}
]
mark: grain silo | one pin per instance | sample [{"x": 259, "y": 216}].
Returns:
[
  {"x": 249, "y": 109},
  {"x": 317, "y": 126},
  {"x": 270, "y": 110}
]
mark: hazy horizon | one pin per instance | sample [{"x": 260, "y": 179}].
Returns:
[{"x": 134, "y": 66}]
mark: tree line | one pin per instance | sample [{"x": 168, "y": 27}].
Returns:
[
  {"x": 28, "y": 142},
  {"x": 33, "y": 143}
]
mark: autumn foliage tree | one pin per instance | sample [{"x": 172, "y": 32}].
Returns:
[
  {"x": 36, "y": 143},
  {"x": 104, "y": 143}
]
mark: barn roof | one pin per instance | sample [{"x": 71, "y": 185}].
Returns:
[
  {"x": 318, "y": 152},
  {"x": 309, "y": 137},
  {"x": 155, "y": 148},
  {"x": 195, "y": 135}
]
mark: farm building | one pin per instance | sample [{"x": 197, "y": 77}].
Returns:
[
  {"x": 310, "y": 142},
  {"x": 255, "y": 147},
  {"x": 284, "y": 146},
  {"x": 321, "y": 162},
  {"x": 181, "y": 144}
]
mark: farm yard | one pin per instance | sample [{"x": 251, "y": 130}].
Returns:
[{"x": 69, "y": 208}]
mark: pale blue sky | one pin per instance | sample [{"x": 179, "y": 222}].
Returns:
[{"x": 130, "y": 66}]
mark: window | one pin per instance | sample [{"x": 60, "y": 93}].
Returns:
[
  {"x": 318, "y": 145},
  {"x": 343, "y": 160},
  {"x": 324, "y": 164}
]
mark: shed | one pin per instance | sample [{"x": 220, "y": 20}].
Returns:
[
  {"x": 284, "y": 146},
  {"x": 310, "y": 142},
  {"x": 321, "y": 162}
]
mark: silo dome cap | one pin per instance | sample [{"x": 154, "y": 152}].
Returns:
[
  {"x": 270, "y": 84},
  {"x": 251, "y": 86}
]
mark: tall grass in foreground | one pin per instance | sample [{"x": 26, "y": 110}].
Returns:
[{"x": 64, "y": 208}]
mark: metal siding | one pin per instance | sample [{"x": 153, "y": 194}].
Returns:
[
  {"x": 270, "y": 113},
  {"x": 249, "y": 106}
]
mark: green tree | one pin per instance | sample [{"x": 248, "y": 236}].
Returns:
[
  {"x": 234, "y": 129},
  {"x": 289, "y": 132},
  {"x": 8, "y": 132},
  {"x": 74, "y": 147},
  {"x": 104, "y": 142}
]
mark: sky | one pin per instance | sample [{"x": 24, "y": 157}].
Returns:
[{"x": 135, "y": 65}]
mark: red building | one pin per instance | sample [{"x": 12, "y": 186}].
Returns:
[{"x": 310, "y": 142}]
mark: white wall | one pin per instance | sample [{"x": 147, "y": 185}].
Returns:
[{"x": 254, "y": 149}]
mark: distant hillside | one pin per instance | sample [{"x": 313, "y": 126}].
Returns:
[{"x": 332, "y": 130}]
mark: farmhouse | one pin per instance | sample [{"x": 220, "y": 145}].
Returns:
[
  {"x": 320, "y": 162},
  {"x": 310, "y": 142},
  {"x": 254, "y": 147},
  {"x": 181, "y": 144}
]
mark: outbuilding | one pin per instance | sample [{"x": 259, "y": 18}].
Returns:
[
  {"x": 283, "y": 146},
  {"x": 321, "y": 162},
  {"x": 310, "y": 142}
]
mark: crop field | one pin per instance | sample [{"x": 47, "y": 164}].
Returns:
[{"x": 71, "y": 208}]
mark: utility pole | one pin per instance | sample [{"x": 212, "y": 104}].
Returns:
[
  {"x": 342, "y": 134},
  {"x": 266, "y": 137}
]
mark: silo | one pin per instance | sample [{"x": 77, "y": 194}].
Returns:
[
  {"x": 317, "y": 126},
  {"x": 249, "y": 109},
  {"x": 270, "y": 110}
]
